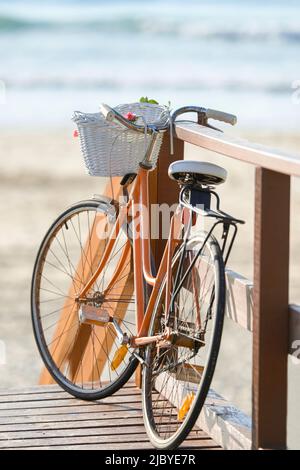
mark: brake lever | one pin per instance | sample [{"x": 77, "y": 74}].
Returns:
[
  {"x": 213, "y": 127},
  {"x": 203, "y": 121}
]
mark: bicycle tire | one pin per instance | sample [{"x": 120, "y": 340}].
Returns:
[
  {"x": 184, "y": 429},
  {"x": 45, "y": 354}
]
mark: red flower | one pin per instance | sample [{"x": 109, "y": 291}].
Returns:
[
  {"x": 75, "y": 133},
  {"x": 130, "y": 116}
]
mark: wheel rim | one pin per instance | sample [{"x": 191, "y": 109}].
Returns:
[
  {"x": 80, "y": 355},
  {"x": 169, "y": 380}
]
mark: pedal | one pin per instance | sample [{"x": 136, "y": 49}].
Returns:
[
  {"x": 185, "y": 407},
  {"x": 93, "y": 315},
  {"x": 119, "y": 356}
]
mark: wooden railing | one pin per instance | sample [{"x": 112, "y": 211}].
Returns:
[{"x": 262, "y": 306}]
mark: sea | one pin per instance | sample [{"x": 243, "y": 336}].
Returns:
[{"x": 240, "y": 56}]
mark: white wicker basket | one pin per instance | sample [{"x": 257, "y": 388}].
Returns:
[{"x": 110, "y": 149}]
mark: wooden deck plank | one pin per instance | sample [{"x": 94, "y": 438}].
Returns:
[
  {"x": 41, "y": 389},
  {"x": 113, "y": 442},
  {"x": 105, "y": 433},
  {"x": 137, "y": 438},
  {"x": 48, "y": 418},
  {"x": 122, "y": 422},
  {"x": 73, "y": 416},
  {"x": 24, "y": 399},
  {"x": 187, "y": 445},
  {"x": 50, "y": 402},
  {"x": 96, "y": 421},
  {"x": 86, "y": 407}
]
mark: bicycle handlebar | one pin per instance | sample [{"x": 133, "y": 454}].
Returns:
[
  {"x": 203, "y": 114},
  {"x": 111, "y": 115}
]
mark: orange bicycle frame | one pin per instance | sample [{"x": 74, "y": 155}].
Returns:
[{"x": 139, "y": 199}]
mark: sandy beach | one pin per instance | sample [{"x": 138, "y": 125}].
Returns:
[{"x": 42, "y": 173}]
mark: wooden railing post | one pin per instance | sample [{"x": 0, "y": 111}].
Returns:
[
  {"x": 162, "y": 189},
  {"x": 270, "y": 318}
]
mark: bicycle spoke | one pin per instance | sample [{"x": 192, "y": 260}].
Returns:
[
  {"x": 174, "y": 373},
  {"x": 68, "y": 261}
]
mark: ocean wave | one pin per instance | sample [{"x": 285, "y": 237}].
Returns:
[
  {"x": 13, "y": 24},
  {"x": 142, "y": 83},
  {"x": 156, "y": 26}
]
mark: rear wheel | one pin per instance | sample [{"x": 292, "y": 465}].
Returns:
[
  {"x": 79, "y": 355},
  {"x": 177, "y": 376}
]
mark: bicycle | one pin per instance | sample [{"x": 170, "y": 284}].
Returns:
[{"x": 119, "y": 312}]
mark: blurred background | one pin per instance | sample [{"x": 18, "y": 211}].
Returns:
[{"x": 240, "y": 56}]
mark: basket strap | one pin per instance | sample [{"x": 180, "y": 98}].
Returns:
[{"x": 171, "y": 133}]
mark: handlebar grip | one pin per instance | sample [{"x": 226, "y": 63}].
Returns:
[
  {"x": 111, "y": 115},
  {"x": 107, "y": 112},
  {"x": 221, "y": 116}
]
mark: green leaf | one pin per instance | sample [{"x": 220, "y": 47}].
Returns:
[{"x": 145, "y": 99}]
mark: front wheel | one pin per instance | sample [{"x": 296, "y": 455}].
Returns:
[
  {"x": 78, "y": 355},
  {"x": 177, "y": 376}
]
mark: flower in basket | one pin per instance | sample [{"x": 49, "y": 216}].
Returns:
[
  {"x": 130, "y": 116},
  {"x": 75, "y": 133}
]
